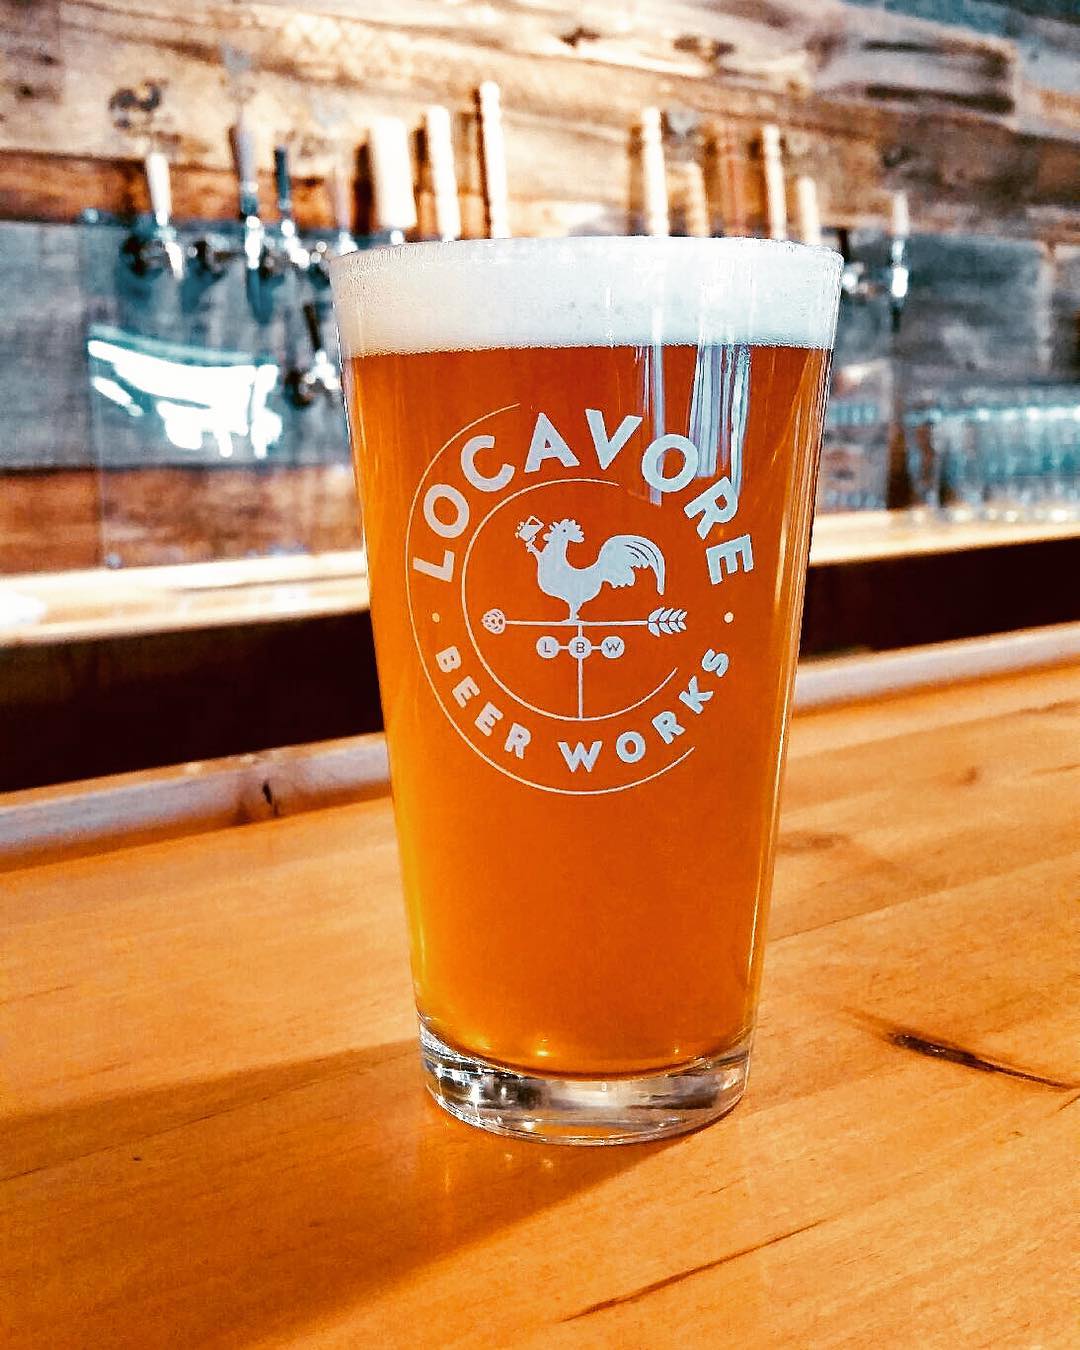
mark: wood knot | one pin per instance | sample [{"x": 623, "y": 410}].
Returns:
[
  {"x": 808, "y": 841},
  {"x": 951, "y": 1053},
  {"x": 580, "y": 34},
  {"x": 270, "y": 799}
]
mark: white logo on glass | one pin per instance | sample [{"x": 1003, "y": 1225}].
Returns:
[{"x": 621, "y": 561}]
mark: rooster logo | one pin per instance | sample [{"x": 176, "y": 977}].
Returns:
[
  {"x": 617, "y": 564},
  {"x": 620, "y": 559}
]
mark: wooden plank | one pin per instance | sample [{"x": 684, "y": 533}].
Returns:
[
  {"x": 859, "y": 536},
  {"x": 31, "y": 51},
  {"x": 165, "y": 515},
  {"x": 39, "y": 185},
  {"x": 74, "y": 819},
  {"x": 193, "y": 514},
  {"x": 844, "y": 679},
  {"x": 150, "y": 516},
  {"x": 908, "y": 712},
  {"x": 81, "y": 709},
  {"x": 571, "y": 92},
  {"x": 42, "y": 609},
  {"x": 850, "y": 858},
  {"x": 229, "y": 1140},
  {"x": 50, "y": 520}
]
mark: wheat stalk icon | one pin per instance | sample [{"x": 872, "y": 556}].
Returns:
[{"x": 662, "y": 621}]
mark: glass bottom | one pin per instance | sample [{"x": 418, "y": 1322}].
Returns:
[{"x": 583, "y": 1110}]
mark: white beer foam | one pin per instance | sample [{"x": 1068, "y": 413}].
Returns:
[{"x": 584, "y": 292}]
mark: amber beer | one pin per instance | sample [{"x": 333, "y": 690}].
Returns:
[{"x": 587, "y": 472}]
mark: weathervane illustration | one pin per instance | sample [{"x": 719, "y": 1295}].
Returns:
[{"x": 620, "y": 561}]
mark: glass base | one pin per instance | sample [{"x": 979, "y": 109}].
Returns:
[{"x": 583, "y": 1110}]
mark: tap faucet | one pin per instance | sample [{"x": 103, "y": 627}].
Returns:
[
  {"x": 260, "y": 270},
  {"x": 211, "y": 256},
  {"x": 863, "y": 283},
  {"x": 155, "y": 247},
  {"x": 321, "y": 253},
  {"x": 212, "y": 253},
  {"x": 321, "y": 375},
  {"x": 853, "y": 279},
  {"x": 899, "y": 272},
  {"x": 899, "y": 279},
  {"x": 294, "y": 252}
]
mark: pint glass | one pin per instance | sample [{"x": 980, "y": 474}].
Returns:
[{"x": 587, "y": 474}]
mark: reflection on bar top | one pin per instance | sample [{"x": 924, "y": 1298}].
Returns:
[{"x": 44, "y": 608}]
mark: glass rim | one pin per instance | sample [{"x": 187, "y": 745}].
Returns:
[
  {"x": 514, "y": 246},
  {"x": 585, "y": 290}
]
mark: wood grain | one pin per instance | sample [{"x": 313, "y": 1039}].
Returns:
[
  {"x": 858, "y": 536},
  {"x": 214, "y": 1131},
  {"x": 46, "y": 609},
  {"x": 84, "y": 709},
  {"x": 163, "y": 515},
  {"x": 50, "y": 520},
  {"x": 59, "y": 187},
  {"x": 47, "y": 518},
  {"x": 77, "y": 518},
  {"x": 73, "y": 819},
  {"x": 870, "y": 100}
]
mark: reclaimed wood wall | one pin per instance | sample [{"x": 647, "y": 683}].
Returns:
[{"x": 972, "y": 106}]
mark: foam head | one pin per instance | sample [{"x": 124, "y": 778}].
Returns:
[{"x": 585, "y": 292}]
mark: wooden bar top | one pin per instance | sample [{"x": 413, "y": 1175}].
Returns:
[
  {"x": 45, "y": 608},
  {"x": 41, "y": 609},
  {"x": 213, "y": 1130}
]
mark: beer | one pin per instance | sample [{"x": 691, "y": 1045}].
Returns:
[{"x": 587, "y": 473}]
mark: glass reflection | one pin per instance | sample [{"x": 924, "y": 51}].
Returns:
[{"x": 198, "y": 397}]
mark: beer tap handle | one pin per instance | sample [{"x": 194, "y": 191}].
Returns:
[
  {"x": 853, "y": 280},
  {"x": 314, "y": 326},
  {"x": 159, "y": 186},
  {"x": 806, "y": 199},
  {"x": 341, "y": 200},
  {"x": 302, "y": 385},
  {"x": 900, "y": 216},
  {"x": 732, "y": 191},
  {"x": 243, "y": 148},
  {"x": 283, "y": 182},
  {"x": 148, "y": 250},
  {"x": 695, "y": 201},
  {"x": 444, "y": 189},
  {"x": 256, "y": 280},
  {"x": 339, "y": 186},
  {"x": 654, "y": 173},
  {"x": 775, "y": 191},
  {"x": 899, "y": 271},
  {"x": 394, "y": 205},
  {"x": 493, "y": 150},
  {"x": 293, "y": 250}
]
